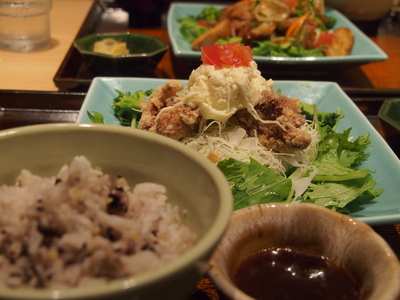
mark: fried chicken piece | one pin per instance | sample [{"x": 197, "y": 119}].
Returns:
[
  {"x": 276, "y": 107},
  {"x": 241, "y": 18},
  {"x": 164, "y": 113}
]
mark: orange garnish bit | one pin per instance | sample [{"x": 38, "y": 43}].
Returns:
[{"x": 294, "y": 29}]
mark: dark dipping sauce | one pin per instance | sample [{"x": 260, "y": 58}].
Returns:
[{"x": 284, "y": 273}]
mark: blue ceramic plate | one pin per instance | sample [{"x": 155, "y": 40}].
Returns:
[
  {"x": 327, "y": 95},
  {"x": 364, "y": 50}
]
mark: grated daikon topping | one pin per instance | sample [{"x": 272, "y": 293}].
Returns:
[{"x": 218, "y": 142}]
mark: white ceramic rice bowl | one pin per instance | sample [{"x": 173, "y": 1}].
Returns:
[{"x": 193, "y": 183}]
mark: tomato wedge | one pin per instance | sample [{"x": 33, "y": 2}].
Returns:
[
  {"x": 203, "y": 23},
  {"x": 225, "y": 56},
  {"x": 324, "y": 39}
]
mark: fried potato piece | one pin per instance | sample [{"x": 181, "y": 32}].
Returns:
[
  {"x": 342, "y": 42},
  {"x": 220, "y": 31}
]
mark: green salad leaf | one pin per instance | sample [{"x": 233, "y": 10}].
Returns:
[
  {"x": 189, "y": 26},
  {"x": 254, "y": 183},
  {"x": 270, "y": 48},
  {"x": 337, "y": 182},
  {"x": 330, "y": 119},
  {"x": 339, "y": 147},
  {"x": 95, "y": 117},
  {"x": 209, "y": 13},
  {"x": 229, "y": 40},
  {"x": 190, "y": 29},
  {"x": 126, "y": 107},
  {"x": 336, "y": 195},
  {"x": 330, "y": 23}
]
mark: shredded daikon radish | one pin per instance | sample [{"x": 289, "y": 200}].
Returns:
[
  {"x": 229, "y": 141},
  {"x": 302, "y": 161},
  {"x": 300, "y": 182}
]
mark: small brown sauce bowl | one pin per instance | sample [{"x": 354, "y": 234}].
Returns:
[{"x": 348, "y": 242}]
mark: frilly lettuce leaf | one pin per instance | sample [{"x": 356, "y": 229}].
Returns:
[
  {"x": 252, "y": 183},
  {"x": 338, "y": 157},
  {"x": 336, "y": 195},
  {"x": 337, "y": 182}
]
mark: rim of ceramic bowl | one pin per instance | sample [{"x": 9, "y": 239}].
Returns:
[
  {"x": 225, "y": 284},
  {"x": 205, "y": 243},
  {"x": 384, "y": 112},
  {"x": 164, "y": 47}
]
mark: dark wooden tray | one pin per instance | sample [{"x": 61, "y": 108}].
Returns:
[
  {"x": 21, "y": 108},
  {"x": 16, "y": 106},
  {"x": 73, "y": 73}
]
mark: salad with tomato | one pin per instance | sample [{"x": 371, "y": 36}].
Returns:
[
  {"x": 333, "y": 178},
  {"x": 283, "y": 28},
  {"x": 327, "y": 172}
]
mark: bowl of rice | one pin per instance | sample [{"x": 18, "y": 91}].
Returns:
[{"x": 104, "y": 212}]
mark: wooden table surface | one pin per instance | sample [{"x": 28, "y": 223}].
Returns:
[
  {"x": 35, "y": 70},
  {"x": 29, "y": 94}
]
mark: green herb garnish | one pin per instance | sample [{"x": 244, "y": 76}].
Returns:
[
  {"x": 126, "y": 107},
  {"x": 292, "y": 49}
]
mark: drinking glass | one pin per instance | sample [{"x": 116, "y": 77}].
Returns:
[{"x": 24, "y": 24}]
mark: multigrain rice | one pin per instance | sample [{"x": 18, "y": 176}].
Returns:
[{"x": 82, "y": 227}]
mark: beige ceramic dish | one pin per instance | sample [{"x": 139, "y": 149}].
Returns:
[
  {"x": 193, "y": 183},
  {"x": 351, "y": 243}
]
